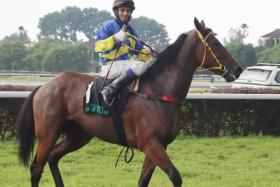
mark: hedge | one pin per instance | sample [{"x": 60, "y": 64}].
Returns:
[
  {"x": 230, "y": 117},
  {"x": 8, "y": 112},
  {"x": 198, "y": 117}
]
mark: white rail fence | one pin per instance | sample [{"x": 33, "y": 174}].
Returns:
[{"x": 213, "y": 96}]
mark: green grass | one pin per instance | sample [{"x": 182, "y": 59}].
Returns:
[
  {"x": 25, "y": 78},
  {"x": 252, "y": 161}
]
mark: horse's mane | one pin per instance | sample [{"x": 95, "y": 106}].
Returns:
[{"x": 166, "y": 57}]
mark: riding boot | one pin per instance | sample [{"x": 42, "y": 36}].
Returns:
[{"x": 109, "y": 91}]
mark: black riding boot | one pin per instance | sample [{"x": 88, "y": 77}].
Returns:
[{"x": 109, "y": 91}]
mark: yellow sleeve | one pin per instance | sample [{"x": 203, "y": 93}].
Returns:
[
  {"x": 104, "y": 45},
  {"x": 145, "y": 55}
]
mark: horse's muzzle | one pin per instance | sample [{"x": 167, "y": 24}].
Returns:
[{"x": 229, "y": 77}]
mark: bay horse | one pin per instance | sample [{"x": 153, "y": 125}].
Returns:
[{"x": 56, "y": 109}]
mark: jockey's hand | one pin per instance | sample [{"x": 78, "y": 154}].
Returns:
[
  {"x": 121, "y": 35},
  {"x": 151, "y": 52},
  {"x": 148, "y": 51}
]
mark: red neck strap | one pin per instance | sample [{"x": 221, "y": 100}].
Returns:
[{"x": 164, "y": 98}]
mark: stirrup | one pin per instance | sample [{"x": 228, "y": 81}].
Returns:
[
  {"x": 108, "y": 102},
  {"x": 112, "y": 101}
]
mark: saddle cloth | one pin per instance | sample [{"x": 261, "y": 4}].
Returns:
[{"x": 94, "y": 103}]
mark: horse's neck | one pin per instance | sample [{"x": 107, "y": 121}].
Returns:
[
  {"x": 174, "y": 81},
  {"x": 177, "y": 81}
]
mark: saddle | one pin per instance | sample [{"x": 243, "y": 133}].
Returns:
[{"x": 93, "y": 101}]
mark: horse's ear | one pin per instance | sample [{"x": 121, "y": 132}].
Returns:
[
  {"x": 202, "y": 23},
  {"x": 198, "y": 25}
]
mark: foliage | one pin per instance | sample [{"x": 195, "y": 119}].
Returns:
[
  {"x": 217, "y": 117},
  {"x": 269, "y": 54},
  {"x": 237, "y": 35},
  {"x": 92, "y": 20},
  {"x": 230, "y": 117},
  {"x": 36, "y": 54},
  {"x": 62, "y": 25},
  {"x": 66, "y": 56},
  {"x": 151, "y": 32},
  {"x": 45, "y": 55},
  {"x": 8, "y": 111},
  {"x": 20, "y": 36},
  {"x": 50, "y": 53},
  {"x": 266, "y": 43},
  {"x": 12, "y": 54},
  {"x": 244, "y": 53},
  {"x": 66, "y": 24}
]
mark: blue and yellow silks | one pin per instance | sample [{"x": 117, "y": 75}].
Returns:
[{"x": 107, "y": 47}]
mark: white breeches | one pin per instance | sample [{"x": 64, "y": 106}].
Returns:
[{"x": 120, "y": 67}]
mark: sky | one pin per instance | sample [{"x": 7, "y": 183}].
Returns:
[{"x": 261, "y": 16}]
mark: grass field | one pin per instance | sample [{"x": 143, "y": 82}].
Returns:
[
  {"x": 24, "y": 78},
  {"x": 252, "y": 161}
]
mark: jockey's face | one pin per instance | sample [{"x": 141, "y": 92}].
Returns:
[{"x": 124, "y": 14}]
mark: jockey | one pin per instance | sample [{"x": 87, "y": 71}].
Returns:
[{"x": 115, "y": 44}]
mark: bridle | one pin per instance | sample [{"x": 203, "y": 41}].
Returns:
[{"x": 206, "y": 46}]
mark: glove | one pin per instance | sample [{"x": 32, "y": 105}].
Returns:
[
  {"x": 121, "y": 35},
  {"x": 148, "y": 51}
]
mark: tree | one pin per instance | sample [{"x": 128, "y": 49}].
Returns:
[
  {"x": 237, "y": 35},
  {"x": 244, "y": 53},
  {"x": 151, "y": 32},
  {"x": 36, "y": 54},
  {"x": 12, "y": 54},
  {"x": 66, "y": 24},
  {"x": 20, "y": 36},
  {"x": 269, "y": 54},
  {"x": 62, "y": 25},
  {"x": 92, "y": 20},
  {"x": 66, "y": 56}
]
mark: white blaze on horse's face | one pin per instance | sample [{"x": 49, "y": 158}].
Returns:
[{"x": 124, "y": 13}]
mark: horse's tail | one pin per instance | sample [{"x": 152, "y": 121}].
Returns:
[{"x": 25, "y": 129}]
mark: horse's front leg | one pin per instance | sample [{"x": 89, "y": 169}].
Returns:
[
  {"x": 155, "y": 151},
  {"x": 147, "y": 172}
]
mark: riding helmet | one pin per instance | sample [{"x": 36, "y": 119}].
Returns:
[{"x": 123, "y": 3}]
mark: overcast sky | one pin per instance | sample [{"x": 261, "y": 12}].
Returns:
[{"x": 261, "y": 16}]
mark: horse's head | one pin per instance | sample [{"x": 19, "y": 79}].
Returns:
[{"x": 212, "y": 55}]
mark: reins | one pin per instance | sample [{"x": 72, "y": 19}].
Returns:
[
  {"x": 143, "y": 43},
  {"x": 125, "y": 155}
]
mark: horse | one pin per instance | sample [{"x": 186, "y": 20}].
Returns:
[{"x": 56, "y": 109}]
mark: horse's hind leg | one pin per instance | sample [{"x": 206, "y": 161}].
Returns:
[
  {"x": 147, "y": 172},
  {"x": 45, "y": 144},
  {"x": 156, "y": 152},
  {"x": 75, "y": 138}
]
